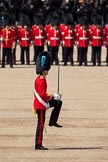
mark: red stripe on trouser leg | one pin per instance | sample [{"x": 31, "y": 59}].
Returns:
[{"x": 41, "y": 127}]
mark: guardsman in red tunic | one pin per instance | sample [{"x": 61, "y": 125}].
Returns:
[
  {"x": 97, "y": 42},
  {"x": 7, "y": 42},
  {"x": 18, "y": 29},
  {"x": 47, "y": 29},
  {"x": 32, "y": 31},
  {"x": 25, "y": 40},
  {"x": 62, "y": 28},
  {"x": 68, "y": 43},
  {"x": 83, "y": 42},
  {"x": 90, "y": 37},
  {"x": 32, "y": 39},
  {"x": 76, "y": 28},
  {"x": 39, "y": 38},
  {"x": 105, "y": 40},
  {"x": 14, "y": 33},
  {"x": 54, "y": 36},
  {"x": 43, "y": 100}
]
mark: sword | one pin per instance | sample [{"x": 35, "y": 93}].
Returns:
[
  {"x": 58, "y": 73},
  {"x": 58, "y": 87}
]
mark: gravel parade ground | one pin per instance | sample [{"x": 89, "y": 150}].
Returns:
[{"x": 84, "y": 114}]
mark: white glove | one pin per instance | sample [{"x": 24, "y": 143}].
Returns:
[
  {"x": 57, "y": 96},
  {"x": 48, "y": 42}
]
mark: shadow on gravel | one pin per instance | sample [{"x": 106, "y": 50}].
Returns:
[{"x": 79, "y": 148}]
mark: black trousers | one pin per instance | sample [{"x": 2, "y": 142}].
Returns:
[
  {"x": 83, "y": 55},
  {"x": 77, "y": 54},
  {"x": 23, "y": 50},
  {"x": 68, "y": 54},
  {"x": 41, "y": 119},
  {"x": 14, "y": 56},
  {"x": 37, "y": 50},
  {"x": 62, "y": 53},
  {"x": 54, "y": 54},
  {"x": 96, "y": 55},
  {"x": 6, "y": 52}
]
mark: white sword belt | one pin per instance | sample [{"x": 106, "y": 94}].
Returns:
[
  {"x": 24, "y": 38},
  {"x": 39, "y": 37},
  {"x": 83, "y": 38},
  {"x": 68, "y": 37},
  {"x": 97, "y": 37},
  {"x": 41, "y": 100},
  {"x": 52, "y": 38}
]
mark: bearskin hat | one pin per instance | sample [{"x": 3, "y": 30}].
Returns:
[
  {"x": 55, "y": 19},
  {"x": 83, "y": 21},
  {"x": 43, "y": 62},
  {"x": 38, "y": 19},
  {"x": 68, "y": 19},
  {"x": 24, "y": 20},
  {"x": 97, "y": 20},
  {"x": 106, "y": 19}
]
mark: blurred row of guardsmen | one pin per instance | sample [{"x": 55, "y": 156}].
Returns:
[{"x": 54, "y": 34}]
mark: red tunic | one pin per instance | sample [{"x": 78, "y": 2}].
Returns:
[
  {"x": 62, "y": 28},
  {"x": 47, "y": 29},
  {"x": 18, "y": 29},
  {"x": 83, "y": 38},
  {"x": 54, "y": 36},
  {"x": 38, "y": 36},
  {"x": 33, "y": 32},
  {"x": 90, "y": 31},
  {"x": 7, "y": 37},
  {"x": 105, "y": 35},
  {"x": 14, "y": 35},
  {"x": 97, "y": 36},
  {"x": 76, "y": 28},
  {"x": 68, "y": 37},
  {"x": 41, "y": 88},
  {"x": 24, "y": 38}
]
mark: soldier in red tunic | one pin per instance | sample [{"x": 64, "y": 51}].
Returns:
[
  {"x": 62, "y": 28},
  {"x": 7, "y": 42},
  {"x": 33, "y": 28},
  {"x": 76, "y": 28},
  {"x": 38, "y": 36},
  {"x": 48, "y": 27},
  {"x": 97, "y": 42},
  {"x": 18, "y": 29},
  {"x": 68, "y": 41},
  {"x": 43, "y": 100},
  {"x": 54, "y": 41},
  {"x": 14, "y": 33},
  {"x": 25, "y": 41},
  {"x": 83, "y": 42},
  {"x": 90, "y": 38}
]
